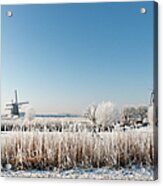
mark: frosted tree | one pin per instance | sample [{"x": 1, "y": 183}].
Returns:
[
  {"x": 106, "y": 114},
  {"x": 103, "y": 115},
  {"x": 128, "y": 115},
  {"x": 142, "y": 112},
  {"x": 90, "y": 113}
]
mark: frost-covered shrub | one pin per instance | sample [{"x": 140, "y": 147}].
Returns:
[
  {"x": 29, "y": 113},
  {"x": 29, "y": 116}
]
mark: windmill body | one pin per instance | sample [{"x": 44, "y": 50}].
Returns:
[{"x": 14, "y": 106}]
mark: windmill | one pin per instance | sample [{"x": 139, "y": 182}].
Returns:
[{"x": 15, "y": 105}]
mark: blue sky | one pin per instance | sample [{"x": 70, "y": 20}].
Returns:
[{"x": 62, "y": 58}]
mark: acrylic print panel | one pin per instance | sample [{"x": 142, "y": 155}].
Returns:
[{"x": 79, "y": 91}]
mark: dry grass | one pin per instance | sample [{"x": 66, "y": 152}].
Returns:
[{"x": 64, "y": 150}]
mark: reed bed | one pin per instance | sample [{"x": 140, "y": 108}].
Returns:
[{"x": 66, "y": 150}]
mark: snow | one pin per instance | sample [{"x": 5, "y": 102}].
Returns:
[{"x": 133, "y": 173}]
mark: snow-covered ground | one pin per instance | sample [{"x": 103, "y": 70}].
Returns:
[{"x": 134, "y": 173}]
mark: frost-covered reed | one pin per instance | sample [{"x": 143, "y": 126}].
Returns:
[
  {"x": 65, "y": 150},
  {"x": 50, "y": 124}
]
